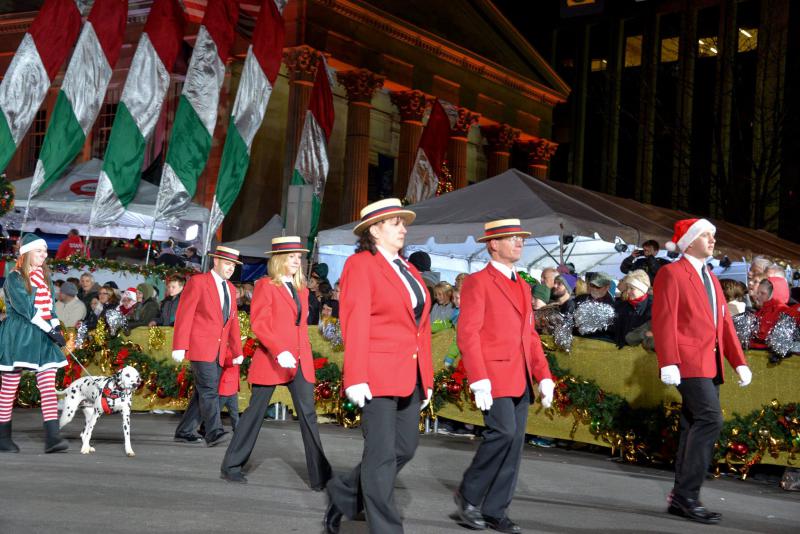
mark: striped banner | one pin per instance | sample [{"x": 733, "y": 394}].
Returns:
[{"x": 39, "y": 56}]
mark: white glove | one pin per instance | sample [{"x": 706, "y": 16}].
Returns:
[
  {"x": 178, "y": 355},
  {"x": 427, "y": 400},
  {"x": 286, "y": 360},
  {"x": 745, "y": 375},
  {"x": 237, "y": 360},
  {"x": 671, "y": 375},
  {"x": 55, "y": 322},
  {"x": 359, "y": 394},
  {"x": 546, "y": 387},
  {"x": 41, "y": 323},
  {"x": 483, "y": 394}
]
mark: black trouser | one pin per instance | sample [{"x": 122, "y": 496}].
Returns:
[
  {"x": 204, "y": 405},
  {"x": 701, "y": 423},
  {"x": 490, "y": 479},
  {"x": 391, "y": 433},
  {"x": 232, "y": 402},
  {"x": 246, "y": 434}
]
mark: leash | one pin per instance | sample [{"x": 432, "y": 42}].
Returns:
[{"x": 78, "y": 361}]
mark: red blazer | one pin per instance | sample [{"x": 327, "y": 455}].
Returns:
[
  {"x": 198, "y": 322},
  {"x": 383, "y": 346},
  {"x": 272, "y": 317},
  {"x": 683, "y": 327},
  {"x": 496, "y": 336},
  {"x": 229, "y": 379}
]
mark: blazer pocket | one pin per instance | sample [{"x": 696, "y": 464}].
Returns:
[{"x": 495, "y": 357}]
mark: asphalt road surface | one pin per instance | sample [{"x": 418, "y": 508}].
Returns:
[{"x": 175, "y": 488}]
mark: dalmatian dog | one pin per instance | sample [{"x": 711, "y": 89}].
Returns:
[{"x": 101, "y": 394}]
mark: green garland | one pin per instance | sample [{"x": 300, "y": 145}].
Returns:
[{"x": 6, "y": 195}]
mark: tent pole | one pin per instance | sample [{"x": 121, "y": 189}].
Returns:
[{"x": 150, "y": 243}]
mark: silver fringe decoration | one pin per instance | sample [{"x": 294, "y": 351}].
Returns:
[
  {"x": 782, "y": 336},
  {"x": 592, "y": 316}
]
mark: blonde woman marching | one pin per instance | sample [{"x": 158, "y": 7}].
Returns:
[
  {"x": 30, "y": 338},
  {"x": 278, "y": 317}
]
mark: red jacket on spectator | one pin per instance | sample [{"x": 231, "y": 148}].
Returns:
[
  {"x": 72, "y": 245},
  {"x": 229, "y": 379},
  {"x": 771, "y": 311}
]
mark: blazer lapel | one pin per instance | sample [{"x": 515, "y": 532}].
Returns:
[
  {"x": 428, "y": 304},
  {"x": 213, "y": 294},
  {"x": 503, "y": 287},
  {"x": 698, "y": 286},
  {"x": 284, "y": 291},
  {"x": 394, "y": 279}
]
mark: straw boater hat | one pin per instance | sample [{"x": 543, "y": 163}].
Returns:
[
  {"x": 502, "y": 228},
  {"x": 286, "y": 244},
  {"x": 383, "y": 209},
  {"x": 29, "y": 242},
  {"x": 226, "y": 253}
]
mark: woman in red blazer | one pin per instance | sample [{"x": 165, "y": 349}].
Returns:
[
  {"x": 278, "y": 314},
  {"x": 388, "y": 370}
]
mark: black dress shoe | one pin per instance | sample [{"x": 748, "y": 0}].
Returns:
[
  {"x": 332, "y": 520},
  {"x": 469, "y": 516},
  {"x": 693, "y": 510},
  {"x": 188, "y": 438},
  {"x": 502, "y": 524},
  {"x": 222, "y": 437},
  {"x": 233, "y": 476}
]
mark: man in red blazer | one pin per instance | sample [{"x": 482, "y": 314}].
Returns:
[
  {"x": 206, "y": 328},
  {"x": 693, "y": 332},
  {"x": 388, "y": 369},
  {"x": 502, "y": 354}
]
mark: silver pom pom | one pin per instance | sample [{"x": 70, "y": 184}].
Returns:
[
  {"x": 781, "y": 338},
  {"x": 562, "y": 331},
  {"x": 746, "y": 325},
  {"x": 80, "y": 336},
  {"x": 116, "y": 322},
  {"x": 593, "y": 316}
]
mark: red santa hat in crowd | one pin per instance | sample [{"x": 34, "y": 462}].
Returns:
[
  {"x": 130, "y": 293},
  {"x": 686, "y": 231}
]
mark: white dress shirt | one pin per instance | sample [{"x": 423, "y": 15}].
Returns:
[
  {"x": 218, "y": 282},
  {"x": 698, "y": 266},
  {"x": 504, "y": 269},
  {"x": 286, "y": 279},
  {"x": 390, "y": 258}
]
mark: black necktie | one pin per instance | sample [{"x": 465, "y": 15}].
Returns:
[
  {"x": 414, "y": 287},
  {"x": 226, "y": 303},
  {"x": 296, "y": 301},
  {"x": 709, "y": 291},
  {"x": 513, "y": 276}
]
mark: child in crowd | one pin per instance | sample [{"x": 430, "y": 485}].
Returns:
[
  {"x": 443, "y": 307},
  {"x": 734, "y": 292}
]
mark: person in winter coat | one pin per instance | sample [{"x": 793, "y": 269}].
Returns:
[
  {"x": 146, "y": 309},
  {"x": 634, "y": 309}
]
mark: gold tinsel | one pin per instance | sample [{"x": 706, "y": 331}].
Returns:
[
  {"x": 244, "y": 326},
  {"x": 100, "y": 333},
  {"x": 156, "y": 338}
]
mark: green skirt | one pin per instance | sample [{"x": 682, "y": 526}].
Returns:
[{"x": 23, "y": 345}]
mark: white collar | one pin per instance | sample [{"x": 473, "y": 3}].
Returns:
[
  {"x": 507, "y": 271},
  {"x": 696, "y": 263},
  {"x": 388, "y": 255},
  {"x": 217, "y": 278},
  {"x": 286, "y": 279}
]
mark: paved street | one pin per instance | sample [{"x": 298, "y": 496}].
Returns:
[{"x": 172, "y": 487}]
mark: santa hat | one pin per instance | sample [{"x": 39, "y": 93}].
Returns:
[
  {"x": 686, "y": 231},
  {"x": 130, "y": 293}
]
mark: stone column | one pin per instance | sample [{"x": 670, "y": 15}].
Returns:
[
  {"x": 610, "y": 155},
  {"x": 539, "y": 153},
  {"x": 301, "y": 63},
  {"x": 645, "y": 135},
  {"x": 721, "y": 156},
  {"x": 360, "y": 85},
  {"x": 412, "y": 105},
  {"x": 457, "y": 148},
  {"x": 499, "y": 139},
  {"x": 682, "y": 142},
  {"x": 579, "y": 98}
]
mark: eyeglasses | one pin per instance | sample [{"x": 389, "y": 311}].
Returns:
[{"x": 515, "y": 239}]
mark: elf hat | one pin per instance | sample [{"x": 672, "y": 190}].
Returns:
[
  {"x": 289, "y": 243},
  {"x": 30, "y": 242},
  {"x": 686, "y": 231}
]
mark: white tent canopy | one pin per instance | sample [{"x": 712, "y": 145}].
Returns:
[
  {"x": 68, "y": 204},
  {"x": 257, "y": 243},
  {"x": 446, "y": 228}
]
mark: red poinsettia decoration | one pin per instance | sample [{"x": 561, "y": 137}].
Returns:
[
  {"x": 122, "y": 355},
  {"x": 319, "y": 363}
]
